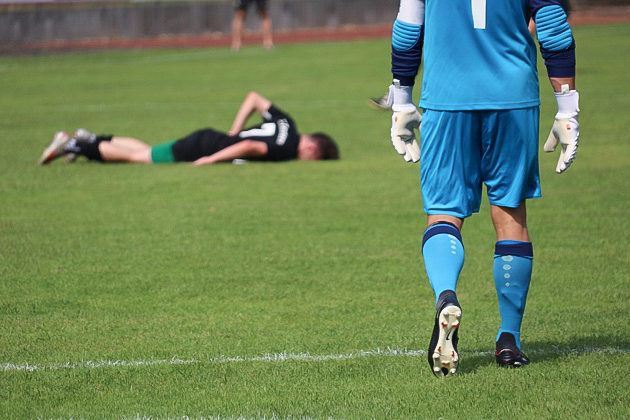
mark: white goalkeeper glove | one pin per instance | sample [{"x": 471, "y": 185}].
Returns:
[
  {"x": 405, "y": 119},
  {"x": 565, "y": 129}
]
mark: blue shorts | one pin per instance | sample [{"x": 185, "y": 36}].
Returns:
[{"x": 463, "y": 149}]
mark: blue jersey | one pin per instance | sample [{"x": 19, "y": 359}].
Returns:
[{"x": 478, "y": 54}]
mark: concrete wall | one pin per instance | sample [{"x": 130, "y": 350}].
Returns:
[
  {"x": 24, "y": 22},
  {"x": 29, "y": 23}
]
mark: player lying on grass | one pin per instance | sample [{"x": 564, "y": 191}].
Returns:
[
  {"x": 275, "y": 139},
  {"x": 480, "y": 101}
]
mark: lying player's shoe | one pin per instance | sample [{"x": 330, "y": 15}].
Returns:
[
  {"x": 442, "y": 354},
  {"x": 83, "y": 134},
  {"x": 380, "y": 103},
  {"x": 79, "y": 134},
  {"x": 507, "y": 352},
  {"x": 55, "y": 149}
]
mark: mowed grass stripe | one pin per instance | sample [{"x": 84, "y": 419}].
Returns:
[{"x": 288, "y": 356}]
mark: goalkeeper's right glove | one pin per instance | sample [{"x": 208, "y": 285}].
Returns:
[
  {"x": 405, "y": 119},
  {"x": 565, "y": 129}
]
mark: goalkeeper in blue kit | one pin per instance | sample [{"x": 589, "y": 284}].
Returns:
[{"x": 480, "y": 121}]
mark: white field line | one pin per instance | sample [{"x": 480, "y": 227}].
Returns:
[{"x": 283, "y": 357}]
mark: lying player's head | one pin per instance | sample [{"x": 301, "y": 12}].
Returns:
[{"x": 317, "y": 146}]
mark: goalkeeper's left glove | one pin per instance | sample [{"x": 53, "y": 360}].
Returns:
[
  {"x": 405, "y": 119},
  {"x": 565, "y": 129}
]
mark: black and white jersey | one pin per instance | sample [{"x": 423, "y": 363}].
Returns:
[{"x": 279, "y": 131}]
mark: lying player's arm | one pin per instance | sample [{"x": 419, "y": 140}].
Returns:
[
  {"x": 557, "y": 47},
  {"x": 252, "y": 102},
  {"x": 241, "y": 150}
]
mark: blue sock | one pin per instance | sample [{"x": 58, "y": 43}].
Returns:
[
  {"x": 443, "y": 254},
  {"x": 512, "y": 274}
]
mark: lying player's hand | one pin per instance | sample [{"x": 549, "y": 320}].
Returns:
[
  {"x": 565, "y": 131},
  {"x": 404, "y": 123}
]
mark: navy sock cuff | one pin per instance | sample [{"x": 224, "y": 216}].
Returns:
[
  {"x": 441, "y": 227},
  {"x": 516, "y": 248}
]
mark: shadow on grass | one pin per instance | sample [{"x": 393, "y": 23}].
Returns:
[{"x": 542, "y": 351}]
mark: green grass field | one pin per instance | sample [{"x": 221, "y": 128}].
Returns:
[{"x": 297, "y": 289}]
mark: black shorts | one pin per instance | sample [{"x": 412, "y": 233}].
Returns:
[
  {"x": 261, "y": 5},
  {"x": 201, "y": 143}
]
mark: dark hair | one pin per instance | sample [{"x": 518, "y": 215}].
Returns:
[{"x": 326, "y": 146}]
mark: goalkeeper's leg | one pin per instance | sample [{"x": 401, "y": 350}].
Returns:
[
  {"x": 443, "y": 254},
  {"x": 451, "y": 191},
  {"x": 513, "y": 257}
]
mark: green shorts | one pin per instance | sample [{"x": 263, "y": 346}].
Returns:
[{"x": 163, "y": 153}]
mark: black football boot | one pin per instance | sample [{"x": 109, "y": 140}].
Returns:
[{"x": 507, "y": 352}]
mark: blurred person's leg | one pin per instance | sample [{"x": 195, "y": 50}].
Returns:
[
  {"x": 265, "y": 25},
  {"x": 237, "y": 28}
]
